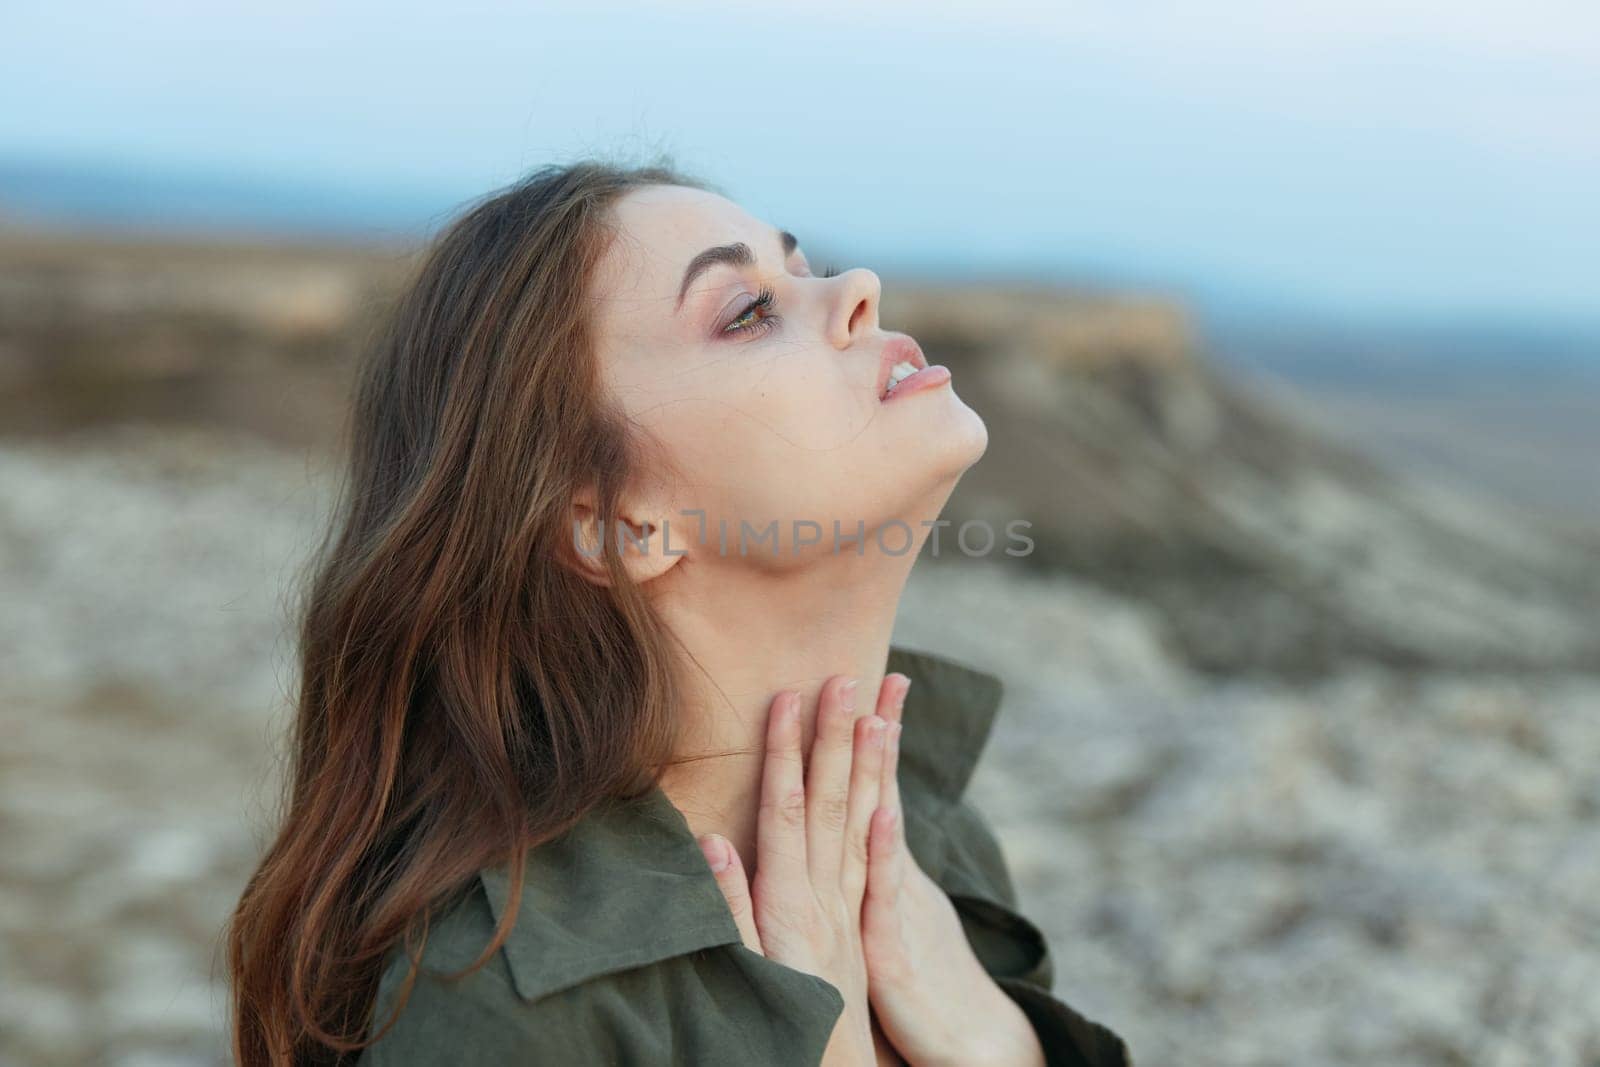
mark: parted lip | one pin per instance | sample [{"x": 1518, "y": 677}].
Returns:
[{"x": 901, "y": 347}]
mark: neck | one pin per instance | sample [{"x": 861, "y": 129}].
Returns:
[{"x": 749, "y": 632}]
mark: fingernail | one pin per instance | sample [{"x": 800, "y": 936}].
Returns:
[
  {"x": 901, "y": 703},
  {"x": 847, "y": 694},
  {"x": 875, "y": 731},
  {"x": 716, "y": 852}
]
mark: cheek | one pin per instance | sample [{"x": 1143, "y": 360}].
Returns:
[
  {"x": 782, "y": 405},
  {"x": 781, "y": 444},
  {"x": 811, "y": 411}
]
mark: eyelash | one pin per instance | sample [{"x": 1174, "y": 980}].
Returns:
[{"x": 764, "y": 300}]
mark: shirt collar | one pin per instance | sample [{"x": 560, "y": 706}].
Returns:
[{"x": 628, "y": 886}]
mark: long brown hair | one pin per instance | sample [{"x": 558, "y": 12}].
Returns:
[{"x": 463, "y": 694}]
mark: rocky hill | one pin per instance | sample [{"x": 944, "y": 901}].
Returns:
[{"x": 252, "y": 337}]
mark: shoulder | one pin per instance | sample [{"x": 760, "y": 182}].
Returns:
[
  {"x": 719, "y": 1003},
  {"x": 479, "y": 1017}
]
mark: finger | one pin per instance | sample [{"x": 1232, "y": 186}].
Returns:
[
  {"x": 724, "y": 861},
  {"x": 882, "y": 912},
  {"x": 828, "y": 778},
  {"x": 892, "y": 695},
  {"x": 781, "y": 818},
  {"x": 866, "y": 784},
  {"x": 885, "y": 860},
  {"x": 889, "y": 780}
]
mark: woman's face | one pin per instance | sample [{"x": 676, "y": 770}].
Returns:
[{"x": 769, "y": 412}]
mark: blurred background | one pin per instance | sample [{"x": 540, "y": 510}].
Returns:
[{"x": 1285, "y": 320}]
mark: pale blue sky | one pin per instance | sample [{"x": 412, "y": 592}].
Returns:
[{"x": 1436, "y": 158}]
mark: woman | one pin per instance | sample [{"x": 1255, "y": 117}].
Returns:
[{"x": 579, "y": 774}]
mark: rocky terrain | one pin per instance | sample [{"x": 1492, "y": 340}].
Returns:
[{"x": 1296, "y": 761}]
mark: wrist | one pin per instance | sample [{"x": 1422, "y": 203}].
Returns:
[{"x": 1007, "y": 1039}]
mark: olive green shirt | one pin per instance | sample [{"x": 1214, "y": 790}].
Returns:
[{"x": 624, "y": 950}]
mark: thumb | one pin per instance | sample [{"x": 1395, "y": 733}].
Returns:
[{"x": 723, "y": 859}]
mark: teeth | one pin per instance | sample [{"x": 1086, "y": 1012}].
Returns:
[{"x": 899, "y": 373}]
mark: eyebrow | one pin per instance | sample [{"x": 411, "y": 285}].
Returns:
[{"x": 737, "y": 254}]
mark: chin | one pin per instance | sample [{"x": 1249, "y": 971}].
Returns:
[
  {"x": 946, "y": 439},
  {"x": 964, "y": 436},
  {"x": 957, "y": 443}
]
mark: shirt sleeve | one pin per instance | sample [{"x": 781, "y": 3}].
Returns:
[
  {"x": 1015, "y": 954},
  {"x": 1012, "y": 949}
]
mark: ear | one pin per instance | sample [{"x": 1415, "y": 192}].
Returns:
[{"x": 639, "y": 534}]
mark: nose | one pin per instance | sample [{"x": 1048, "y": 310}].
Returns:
[{"x": 854, "y": 312}]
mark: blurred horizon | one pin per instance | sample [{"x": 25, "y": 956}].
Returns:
[{"x": 73, "y": 195}]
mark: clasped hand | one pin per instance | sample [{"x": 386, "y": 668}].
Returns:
[{"x": 836, "y": 893}]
